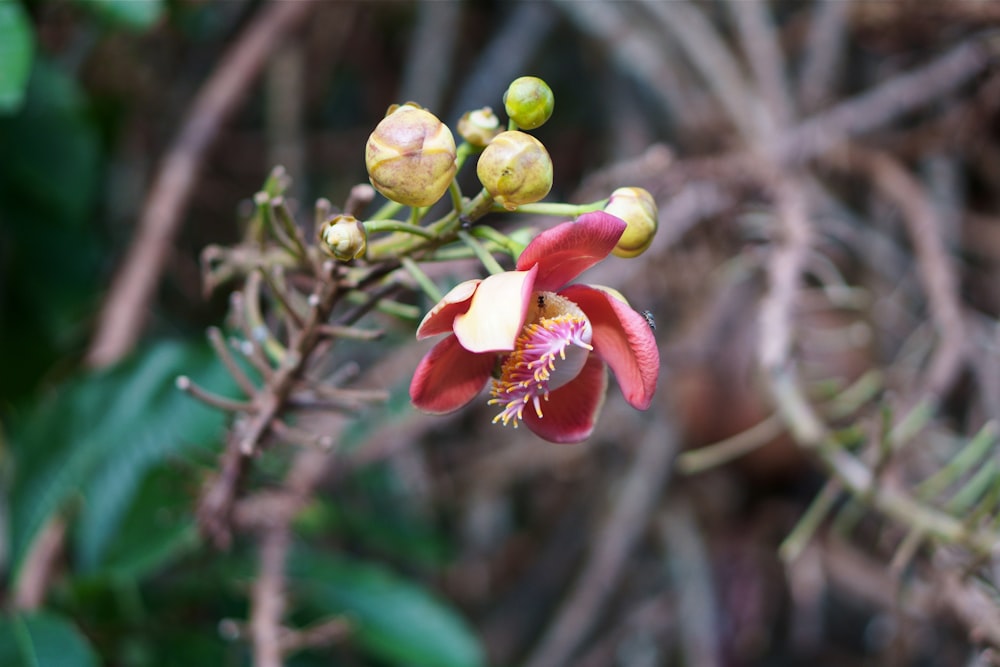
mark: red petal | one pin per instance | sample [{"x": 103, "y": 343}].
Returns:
[
  {"x": 570, "y": 248},
  {"x": 623, "y": 339},
  {"x": 449, "y": 376},
  {"x": 496, "y": 315},
  {"x": 439, "y": 319},
  {"x": 571, "y": 411}
]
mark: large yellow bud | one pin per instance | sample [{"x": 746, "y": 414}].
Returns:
[{"x": 411, "y": 156}]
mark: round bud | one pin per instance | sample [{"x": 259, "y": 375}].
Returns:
[
  {"x": 411, "y": 156},
  {"x": 343, "y": 237},
  {"x": 637, "y": 208},
  {"x": 515, "y": 169},
  {"x": 479, "y": 127},
  {"x": 529, "y": 102}
]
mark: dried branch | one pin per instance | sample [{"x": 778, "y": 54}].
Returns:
[
  {"x": 935, "y": 266},
  {"x": 824, "y": 52},
  {"x": 885, "y": 103},
  {"x": 268, "y": 597},
  {"x": 763, "y": 48},
  {"x": 125, "y": 308},
  {"x": 643, "y": 485}
]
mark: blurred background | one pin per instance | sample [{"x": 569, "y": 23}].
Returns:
[{"x": 852, "y": 143}]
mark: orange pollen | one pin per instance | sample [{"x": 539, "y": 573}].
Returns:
[{"x": 526, "y": 372}]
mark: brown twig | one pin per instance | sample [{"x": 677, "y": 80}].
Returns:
[
  {"x": 33, "y": 580},
  {"x": 824, "y": 52},
  {"x": 268, "y": 597},
  {"x": 125, "y": 308},
  {"x": 763, "y": 49},
  {"x": 884, "y": 103},
  {"x": 691, "y": 573},
  {"x": 245, "y": 436},
  {"x": 615, "y": 540},
  {"x": 935, "y": 266}
]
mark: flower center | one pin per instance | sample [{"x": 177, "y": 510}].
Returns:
[{"x": 550, "y": 351}]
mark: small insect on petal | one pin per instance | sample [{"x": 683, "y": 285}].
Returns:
[{"x": 650, "y": 320}]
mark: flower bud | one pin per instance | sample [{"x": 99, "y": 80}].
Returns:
[
  {"x": 343, "y": 237},
  {"x": 637, "y": 208},
  {"x": 529, "y": 102},
  {"x": 479, "y": 127},
  {"x": 411, "y": 156},
  {"x": 515, "y": 169}
]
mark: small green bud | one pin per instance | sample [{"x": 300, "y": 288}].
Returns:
[
  {"x": 529, "y": 102},
  {"x": 343, "y": 237},
  {"x": 479, "y": 127},
  {"x": 637, "y": 208},
  {"x": 515, "y": 169},
  {"x": 411, "y": 156}
]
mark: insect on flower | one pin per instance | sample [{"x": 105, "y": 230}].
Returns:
[{"x": 650, "y": 320}]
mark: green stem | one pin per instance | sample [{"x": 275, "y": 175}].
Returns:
[
  {"x": 456, "y": 195},
  {"x": 280, "y": 210},
  {"x": 387, "y": 210},
  {"x": 426, "y": 284},
  {"x": 792, "y": 546},
  {"x": 389, "y": 307},
  {"x": 555, "y": 208},
  {"x": 478, "y": 206},
  {"x": 260, "y": 332},
  {"x": 374, "y": 226},
  {"x": 971, "y": 455},
  {"x": 266, "y": 213},
  {"x": 509, "y": 245},
  {"x": 485, "y": 257},
  {"x": 443, "y": 230}
]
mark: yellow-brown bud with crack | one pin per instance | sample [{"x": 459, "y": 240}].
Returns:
[
  {"x": 479, "y": 127},
  {"x": 515, "y": 169},
  {"x": 343, "y": 237},
  {"x": 529, "y": 102},
  {"x": 637, "y": 208},
  {"x": 411, "y": 156}
]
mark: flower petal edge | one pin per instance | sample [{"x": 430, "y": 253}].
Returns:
[
  {"x": 624, "y": 340},
  {"x": 570, "y": 248}
]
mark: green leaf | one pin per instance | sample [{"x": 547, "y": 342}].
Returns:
[
  {"x": 395, "y": 620},
  {"x": 158, "y": 528},
  {"x": 101, "y": 434},
  {"x": 50, "y": 177},
  {"x": 43, "y": 640},
  {"x": 128, "y": 14},
  {"x": 17, "y": 49},
  {"x": 52, "y": 151},
  {"x": 172, "y": 425}
]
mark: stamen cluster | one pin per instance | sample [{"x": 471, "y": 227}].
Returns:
[{"x": 526, "y": 373}]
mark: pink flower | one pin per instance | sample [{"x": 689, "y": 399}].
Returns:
[{"x": 549, "y": 341}]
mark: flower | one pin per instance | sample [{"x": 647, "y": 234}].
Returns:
[{"x": 548, "y": 340}]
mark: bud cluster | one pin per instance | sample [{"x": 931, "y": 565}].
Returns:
[{"x": 412, "y": 160}]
